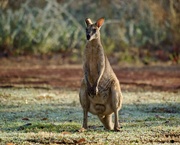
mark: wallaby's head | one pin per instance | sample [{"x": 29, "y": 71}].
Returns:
[{"x": 93, "y": 29}]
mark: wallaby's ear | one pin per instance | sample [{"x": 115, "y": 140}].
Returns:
[
  {"x": 100, "y": 22},
  {"x": 88, "y": 21}
]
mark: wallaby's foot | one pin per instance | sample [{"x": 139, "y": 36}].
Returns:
[
  {"x": 85, "y": 126},
  {"x": 107, "y": 121},
  {"x": 85, "y": 118},
  {"x": 82, "y": 129},
  {"x": 117, "y": 129},
  {"x": 108, "y": 127}
]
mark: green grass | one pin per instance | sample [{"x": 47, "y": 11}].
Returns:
[{"x": 40, "y": 116}]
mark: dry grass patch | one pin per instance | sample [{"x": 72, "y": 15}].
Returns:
[{"x": 50, "y": 116}]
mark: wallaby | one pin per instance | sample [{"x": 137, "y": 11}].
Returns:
[{"x": 100, "y": 92}]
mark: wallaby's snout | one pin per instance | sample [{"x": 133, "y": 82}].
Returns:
[
  {"x": 91, "y": 32},
  {"x": 88, "y": 36}
]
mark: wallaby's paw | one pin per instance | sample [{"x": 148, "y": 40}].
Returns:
[
  {"x": 93, "y": 91},
  {"x": 89, "y": 93},
  {"x": 96, "y": 90}
]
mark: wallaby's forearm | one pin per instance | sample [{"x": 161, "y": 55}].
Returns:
[{"x": 101, "y": 67}]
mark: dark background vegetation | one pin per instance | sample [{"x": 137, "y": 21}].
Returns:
[{"x": 135, "y": 31}]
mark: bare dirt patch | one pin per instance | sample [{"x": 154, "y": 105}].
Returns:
[{"x": 33, "y": 72}]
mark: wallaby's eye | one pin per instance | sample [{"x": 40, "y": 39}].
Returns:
[{"x": 94, "y": 30}]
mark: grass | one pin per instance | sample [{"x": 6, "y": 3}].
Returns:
[{"x": 51, "y": 116}]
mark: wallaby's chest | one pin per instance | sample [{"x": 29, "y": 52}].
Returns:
[
  {"x": 92, "y": 60},
  {"x": 92, "y": 54}
]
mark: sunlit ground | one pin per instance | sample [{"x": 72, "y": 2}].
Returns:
[{"x": 30, "y": 116}]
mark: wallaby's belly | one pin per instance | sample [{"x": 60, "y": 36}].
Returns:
[
  {"x": 99, "y": 109},
  {"x": 101, "y": 104}
]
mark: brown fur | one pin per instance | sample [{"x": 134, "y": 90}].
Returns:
[{"x": 100, "y": 92}]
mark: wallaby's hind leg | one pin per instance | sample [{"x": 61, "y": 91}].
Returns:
[
  {"x": 85, "y": 118},
  {"x": 116, "y": 104},
  {"x": 107, "y": 121},
  {"x": 84, "y": 103}
]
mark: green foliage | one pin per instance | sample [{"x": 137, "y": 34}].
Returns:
[
  {"x": 58, "y": 26},
  {"x": 37, "y": 30}
]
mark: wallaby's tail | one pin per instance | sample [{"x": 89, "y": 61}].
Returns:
[{"x": 107, "y": 121}]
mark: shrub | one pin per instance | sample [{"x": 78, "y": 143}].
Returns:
[
  {"x": 145, "y": 28},
  {"x": 36, "y": 30}
]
